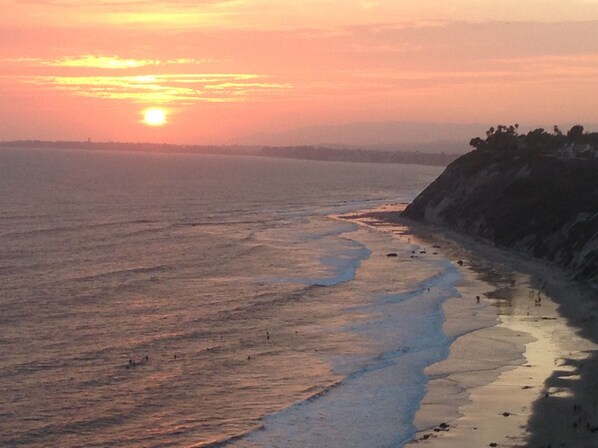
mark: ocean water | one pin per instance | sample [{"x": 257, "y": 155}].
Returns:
[{"x": 183, "y": 300}]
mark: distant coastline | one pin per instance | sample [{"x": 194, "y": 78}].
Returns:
[
  {"x": 132, "y": 147},
  {"x": 314, "y": 153}
]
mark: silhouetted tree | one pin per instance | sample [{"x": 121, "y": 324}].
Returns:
[
  {"x": 575, "y": 134},
  {"x": 507, "y": 138},
  {"x": 499, "y": 138},
  {"x": 478, "y": 143},
  {"x": 540, "y": 140},
  {"x": 591, "y": 139}
]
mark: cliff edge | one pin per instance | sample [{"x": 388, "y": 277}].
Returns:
[{"x": 543, "y": 205}]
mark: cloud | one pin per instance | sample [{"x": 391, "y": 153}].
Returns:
[
  {"x": 165, "y": 89},
  {"x": 115, "y": 62},
  {"x": 105, "y": 62},
  {"x": 121, "y": 14},
  {"x": 116, "y": 3}
]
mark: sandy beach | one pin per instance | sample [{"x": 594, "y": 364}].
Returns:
[{"x": 527, "y": 376}]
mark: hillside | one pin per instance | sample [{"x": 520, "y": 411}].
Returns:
[{"x": 536, "y": 203}]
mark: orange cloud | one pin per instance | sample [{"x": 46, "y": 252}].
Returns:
[
  {"x": 165, "y": 89},
  {"x": 103, "y": 62},
  {"x": 111, "y": 62}
]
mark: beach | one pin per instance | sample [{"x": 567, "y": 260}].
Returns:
[{"x": 526, "y": 375}]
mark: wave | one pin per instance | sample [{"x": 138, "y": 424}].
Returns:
[
  {"x": 445, "y": 280},
  {"x": 74, "y": 228},
  {"x": 123, "y": 272},
  {"x": 343, "y": 270},
  {"x": 318, "y": 235},
  {"x": 380, "y": 362},
  {"x": 338, "y": 255},
  {"x": 359, "y": 377},
  {"x": 219, "y": 223}
]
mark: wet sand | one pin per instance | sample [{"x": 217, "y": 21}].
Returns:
[{"x": 529, "y": 375}]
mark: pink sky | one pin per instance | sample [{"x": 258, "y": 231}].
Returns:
[{"x": 225, "y": 69}]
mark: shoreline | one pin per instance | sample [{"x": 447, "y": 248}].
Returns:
[{"x": 537, "y": 387}]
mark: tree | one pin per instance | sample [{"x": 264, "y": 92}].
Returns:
[
  {"x": 503, "y": 138},
  {"x": 540, "y": 140},
  {"x": 575, "y": 134},
  {"x": 478, "y": 143},
  {"x": 500, "y": 138}
]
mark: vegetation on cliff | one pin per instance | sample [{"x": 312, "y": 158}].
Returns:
[
  {"x": 506, "y": 138},
  {"x": 532, "y": 197}
]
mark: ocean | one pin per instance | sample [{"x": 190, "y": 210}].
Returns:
[{"x": 169, "y": 300}]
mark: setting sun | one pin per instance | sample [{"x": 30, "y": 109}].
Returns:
[{"x": 154, "y": 117}]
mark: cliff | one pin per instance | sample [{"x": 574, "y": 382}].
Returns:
[{"x": 543, "y": 206}]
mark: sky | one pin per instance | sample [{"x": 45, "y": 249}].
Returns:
[{"x": 222, "y": 71}]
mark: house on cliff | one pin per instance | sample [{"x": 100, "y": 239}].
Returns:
[{"x": 577, "y": 151}]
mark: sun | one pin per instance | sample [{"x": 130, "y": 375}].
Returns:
[{"x": 154, "y": 117}]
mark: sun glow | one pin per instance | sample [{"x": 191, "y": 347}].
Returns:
[{"x": 154, "y": 117}]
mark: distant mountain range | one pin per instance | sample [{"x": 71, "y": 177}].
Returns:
[
  {"x": 359, "y": 155},
  {"x": 386, "y": 136},
  {"x": 390, "y": 135}
]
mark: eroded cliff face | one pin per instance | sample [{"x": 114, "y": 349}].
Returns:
[{"x": 543, "y": 206}]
